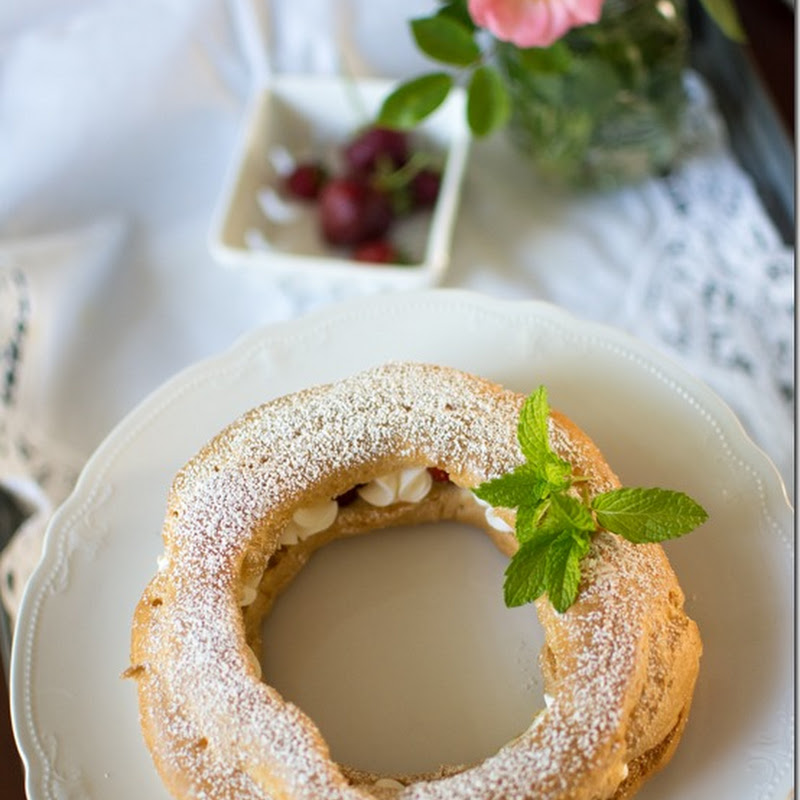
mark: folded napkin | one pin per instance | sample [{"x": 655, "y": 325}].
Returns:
[{"x": 48, "y": 287}]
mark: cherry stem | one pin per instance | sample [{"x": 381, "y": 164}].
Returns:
[{"x": 400, "y": 177}]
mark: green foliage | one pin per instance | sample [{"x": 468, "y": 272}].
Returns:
[
  {"x": 724, "y": 13},
  {"x": 517, "y": 488},
  {"x": 563, "y": 568},
  {"x": 488, "y": 104},
  {"x": 444, "y": 39},
  {"x": 554, "y": 59},
  {"x": 555, "y": 522},
  {"x": 525, "y": 575},
  {"x": 600, "y": 58},
  {"x": 414, "y": 100},
  {"x": 648, "y": 515},
  {"x": 457, "y": 10}
]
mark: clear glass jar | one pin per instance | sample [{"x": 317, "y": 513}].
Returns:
[{"x": 603, "y": 106}]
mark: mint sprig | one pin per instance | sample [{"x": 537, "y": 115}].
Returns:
[{"x": 554, "y": 527}]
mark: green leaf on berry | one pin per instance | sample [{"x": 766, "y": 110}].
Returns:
[
  {"x": 488, "y": 104},
  {"x": 414, "y": 100},
  {"x": 444, "y": 39},
  {"x": 648, "y": 515}
]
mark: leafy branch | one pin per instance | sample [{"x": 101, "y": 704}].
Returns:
[
  {"x": 449, "y": 37},
  {"x": 556, "y": 517}
]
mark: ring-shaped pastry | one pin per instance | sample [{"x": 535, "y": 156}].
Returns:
[{"x": 246, "y": 513}]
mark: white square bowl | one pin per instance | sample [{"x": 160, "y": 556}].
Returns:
[{"x": 314, "y": 116}]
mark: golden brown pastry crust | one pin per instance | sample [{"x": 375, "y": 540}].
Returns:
[{"x": 620, "y": 664}]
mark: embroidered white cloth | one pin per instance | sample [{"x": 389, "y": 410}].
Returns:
[{"x": 117, "y": 121}]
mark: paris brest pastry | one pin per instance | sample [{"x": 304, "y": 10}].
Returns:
[{"x": 398, "y": 444}]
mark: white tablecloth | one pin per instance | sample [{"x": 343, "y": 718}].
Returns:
[{"x": 117, "y": 123}]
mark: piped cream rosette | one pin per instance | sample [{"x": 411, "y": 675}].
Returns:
[{"x": 399, "y": 444}]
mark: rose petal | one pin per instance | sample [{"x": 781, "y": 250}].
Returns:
[{"x": 533, "y": 23}]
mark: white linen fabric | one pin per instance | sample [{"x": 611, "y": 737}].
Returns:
[{"x": 117, "y": 123}]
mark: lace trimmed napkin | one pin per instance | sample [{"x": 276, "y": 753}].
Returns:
[{"x": 716, "y": 288}]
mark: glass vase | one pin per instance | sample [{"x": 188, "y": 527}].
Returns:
[{"x": 603, "y": 106}]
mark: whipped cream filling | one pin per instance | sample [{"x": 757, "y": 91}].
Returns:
[
  {"x": 497, "y": 522},
  {"x": 249, "y": 591},
  {"x": 254, "y": 662},
  {"x": 407, "y": 486},
  {"x": 310, "y": 520}
]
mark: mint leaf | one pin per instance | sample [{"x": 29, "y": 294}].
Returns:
[
  {"x": 414, "y": 100},
  {"x": 525, "y": 574},
  {"x": 554, "y": 527},
  {"x": 488, "y": 104},
  {"x": 445, "y": 39},
  {"x": 534, "y": 440},
  {"x": 523, "y": 485},
  {"x": 557, "y": 473},
  {"x": 529, "y": 519},
  {"x": 648, "y": 515},
  {"x": 567, "y": 512},
  {"x": 563, "y": 568},
  {"x": 532, "y": 433}
]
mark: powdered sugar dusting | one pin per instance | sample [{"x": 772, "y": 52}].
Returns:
[{"x": 233, "y": 735}]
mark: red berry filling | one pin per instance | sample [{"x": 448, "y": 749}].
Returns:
[
  {"x": 439, "y": 475},
  {"x": 348, "y": 497}
]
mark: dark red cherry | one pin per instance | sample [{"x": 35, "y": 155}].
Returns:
[
  {"x": 306, "y": 180},
  {"x": 351, "y": 211},
  {"x": 377, "y": 251},
  {"x": 375, "y": 145},
  {"x": 425, "y": 188}
]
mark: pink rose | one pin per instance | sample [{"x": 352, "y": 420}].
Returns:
[{"x": 533, "y": 23}]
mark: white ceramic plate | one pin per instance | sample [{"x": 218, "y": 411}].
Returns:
[{"x": 76, "y": 720}]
